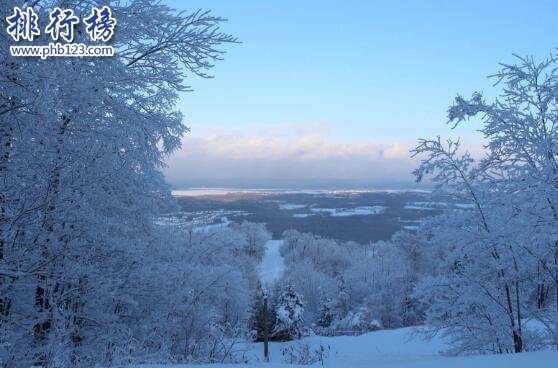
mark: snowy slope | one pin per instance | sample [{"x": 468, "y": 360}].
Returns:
[
  {"x": 390, "y": 348},
  {"x": 272, "y": 266},
  {"x": 387, "y": 346}
]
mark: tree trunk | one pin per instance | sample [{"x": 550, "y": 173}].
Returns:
[
  {"x": 5, "y": 143},
  {"x": 517, "y": 341},
  {"x": 265, "y": 331},
  {"x": 44, "y": 291}
]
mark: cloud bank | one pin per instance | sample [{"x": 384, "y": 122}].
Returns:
[{"x": 281, "y": 157}]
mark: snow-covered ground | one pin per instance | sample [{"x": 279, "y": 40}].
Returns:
[
  {"x": 430, "y": 206},
  {"x": 388, "y": 348},
  {"x": 200, "y": 220},
  {"x": 411, "y": 227},
  {"x": 334, "y": 212},
  {"x": 291, "y": 206},
  {"x": 272, "y": 266},
  {"x": 212, "y": 227},
  {"x": 343, "y": 212},
  {"x": 425, "y": 206}
]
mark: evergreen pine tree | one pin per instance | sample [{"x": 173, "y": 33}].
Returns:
[
  {"x": 289, "y": 310},
  {"x": 258, "y": 317},
  {"x": 342, "y": 304},
  {"x": 326, "y": 314}
]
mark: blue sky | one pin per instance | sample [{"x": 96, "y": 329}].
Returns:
[{"x": 365, "y": 78}]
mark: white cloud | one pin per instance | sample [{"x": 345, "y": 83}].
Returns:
[
  {"x": 310, "y": 146},
  {"x": 285, "y": 154}
]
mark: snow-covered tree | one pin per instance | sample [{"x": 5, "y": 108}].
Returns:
[
  {"x": 500, "y": 254},
  {"x": 256, "y": 236},
  {"x": 326, "y": 314},
  {"x": 83, "y": 141},
  {"x": 348, "y": 286},
  {"x": 289, "y": 309},
  {"x": 261, "y": 319}
]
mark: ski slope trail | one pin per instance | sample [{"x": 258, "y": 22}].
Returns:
[
  {"x": 273, "y": 265},
  {"x": 400, "y": 348}
]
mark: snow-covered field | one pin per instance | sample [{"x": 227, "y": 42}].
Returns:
[
  {"x": 388, "y": 348},
  {"x": 341, "y": 212},
  {"x": 291, "y": 206},
  {"x": 357, "y": 211},
  {"x": 430, "y": 206},
  {"x": 335, "y": 212},
  {"x": 424, "y": 206},
  {"x": 200, "y": 220}
]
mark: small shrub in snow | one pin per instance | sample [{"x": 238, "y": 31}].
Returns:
[{"x": 300, "y": 353}]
